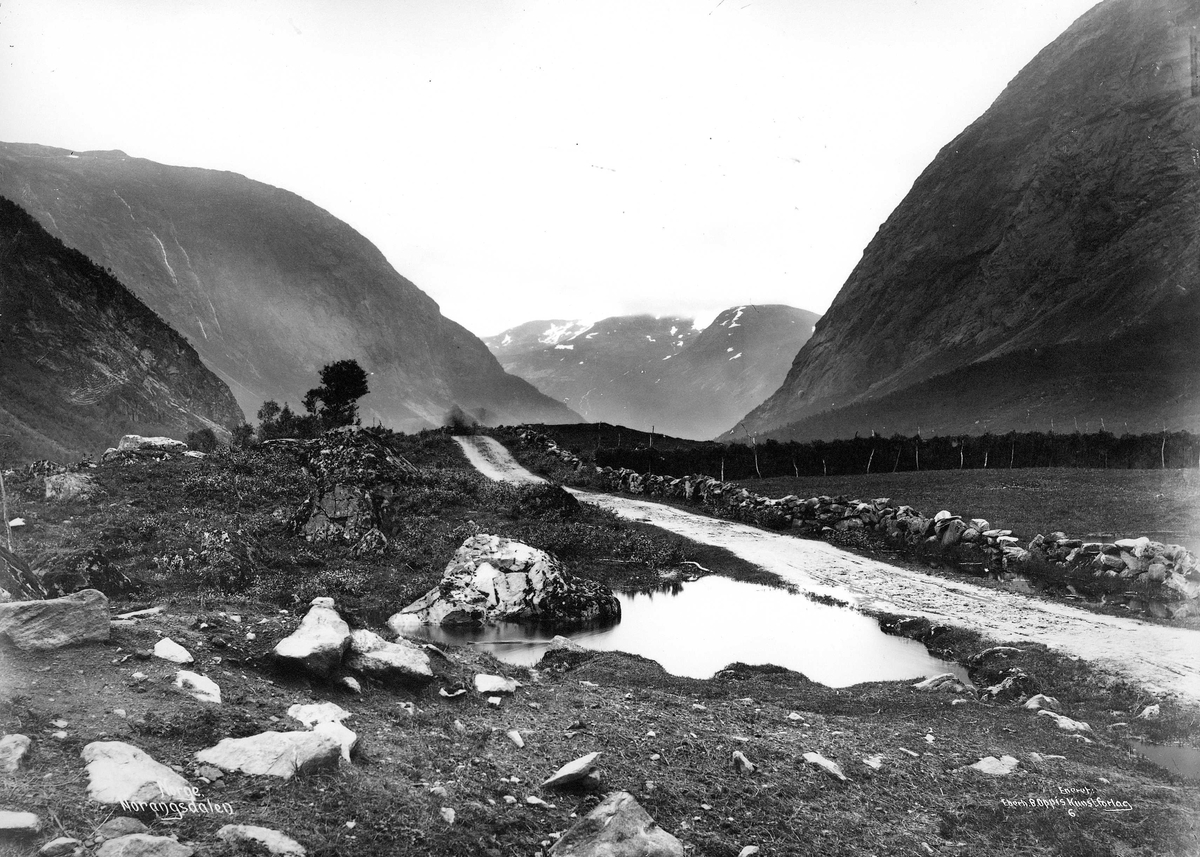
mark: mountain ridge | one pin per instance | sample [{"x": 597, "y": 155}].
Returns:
[
  {"x": 267, "y": 286},
  {"x": 1052, "y": 219}
]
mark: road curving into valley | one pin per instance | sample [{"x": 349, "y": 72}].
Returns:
[{"x": 1163, "y": 660}]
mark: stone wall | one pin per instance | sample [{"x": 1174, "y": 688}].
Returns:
[{"x": 1163, "y": 580}]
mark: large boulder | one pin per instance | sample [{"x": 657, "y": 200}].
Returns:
[
  {"x": 319, "y": 643},
  {"x": 38, "y": 626},
  {"x": 617, "y": 827},
  {"x": 493, "y": 579},
  {"x": 119, "y": 772},
  {"x": 144, "y": 845}
]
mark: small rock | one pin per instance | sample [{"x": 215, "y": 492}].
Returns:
[
  {"x": 534, "y": 800},
  {"x": 874, "y": 762},
  {"x": 12, "y": 751},
  {"x": 830, "y": 767},
  {"x": 448, "y": 815},
  {"x": 572, "y": 772},
  {"x": 1065, "y": 723},
  {"x": 345, "y": 737},
  {"x": 59, "y": 847},
  {"x": 748, "y": 851},
  {"x": 1040, "y": 701},
  {"x": 201, "y": 687},
  {"x": 495, "y": 684},
  {"x": 120, "y": 772},
  {"x": 16, "y": 824},
  {"x": 351, "y": 684},
  {"x": 169, "y": 650},
  {"x": 122, "y": 825},
  {"x": 741, "y": 764},
  {"x": 794, "y": 716},
  {"x": 509, "y": 799},
  {"x": 318, "y": 712},
  {"x": 515, "y": 737},
  {"x": 210, "y": 773},
  {"x": 1001, "y": 767},
  {"x": 143, "y": 845},
  {"x": 319, "y": 643},
  {"x": 1150, "y": 712},
  {"x": 617, "y": 826},
  {"x": 276, "y": 754},
  {"x": 494, "y": 701},
  {"x": 449, "y": 695},
  {"x": 274, "y": 841}
]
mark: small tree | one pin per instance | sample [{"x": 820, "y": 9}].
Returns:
[
  {"x": 203, "y": 440},
  {"x": 335, "y": 402}
]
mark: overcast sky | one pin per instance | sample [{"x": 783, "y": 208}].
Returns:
[{"x": 519, "y": 159}]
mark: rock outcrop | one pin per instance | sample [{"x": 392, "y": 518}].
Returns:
[
  {"x": 494, "y": 579},
  {"x": 39, "y": 626},
  {"x": 1042, "y": 266}
]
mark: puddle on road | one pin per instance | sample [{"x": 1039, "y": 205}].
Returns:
[
  {"x": 714, "y": 621},
  {"x": 1177, "y": 758}
]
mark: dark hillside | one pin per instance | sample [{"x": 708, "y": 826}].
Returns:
[{"x": 82, "y": 361}]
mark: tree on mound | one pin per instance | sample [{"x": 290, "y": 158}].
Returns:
[{"x": 335, "y": 402}]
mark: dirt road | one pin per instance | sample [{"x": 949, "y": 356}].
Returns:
[{"x": 1164, "y": 660}]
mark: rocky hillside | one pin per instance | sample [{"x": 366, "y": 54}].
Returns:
[
  {"x": 83, "y": 360},
  {"x": 641, "y": 371},
  {"x": 1048, "y": 256},
  {"x": 267, "y": 286}
]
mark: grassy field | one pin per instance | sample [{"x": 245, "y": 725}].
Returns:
[{"x": 1164, "y": 504}]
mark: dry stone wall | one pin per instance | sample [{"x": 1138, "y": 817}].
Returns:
[{"x": 1144, "y": 575}]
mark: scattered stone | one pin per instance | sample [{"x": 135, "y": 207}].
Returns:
[
  {"x": 448, "y": 815},
  {"x": 572, "y": 772},
  {"x": 350, "y": 683},
  {"x": 138, "y": 614},
  {"x": 319, "y": 643},
  {"x": 143, "y": 845},
  {"x": 318, "y": 712},
  {"x": 120, "y": 772},
  {"x": 122, "y": 825},
  {"x": 942, "y": 683},
  {"x": 617, "y": 827},
  {"x": 201, "y": 687},
  {"x": 515, "y": 737},
  {"x": 272, "y": 840},
  {"x": 372, "y": 655},
  {"x": 12, "y": 752},
  {"x": 1040, "y": 701},
  {"x": 492, "y": 579},
  {"x": 1002, "y": 652},
  {"x": 16, "y": 824},
  {"x": 832, "y": 768},
  {"x": 794, "y": 716},
  {"x": 1150, "y": 712},
  {"x": 61, "y": 487},
  {"x": 741, "y": 764},
  {"x": 448, "y": 695},
  {"x": 164, "y": 444},
  {"x": 559, "y": 643},
  {"x": 748, "y": 851},
  {"x": 1001, "y": 767},
  {"x": 39, "y": 626},
  {"x": 59, "y": 847},
  {"x": 1065, "y": 723},
  {"x": 875, "y": 762},
  {"x": 345, "y": 737},
  {"x": 494, "y": 701},
  {"x": 169, "y": 650},
  {"x": 495, "y": 684},
  {"x": 275, "y": 754}
]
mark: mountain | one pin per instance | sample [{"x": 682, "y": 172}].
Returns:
[
  {"x": 642, "y": 372},
  {"x": 1043, "y": 267},
  {"x": 83, "y": 361},
  {"x": 267, "y": 286}
]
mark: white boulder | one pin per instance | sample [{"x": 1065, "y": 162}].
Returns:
[
  {"x": 272, "y": 840},
  {"x": 274, "y": 754},
  {"x": 121, "y": 772},
  {"x": 319, "y": 643},
  {"x": 169, "y": 650},
  {"x": 401, "y": 661}
]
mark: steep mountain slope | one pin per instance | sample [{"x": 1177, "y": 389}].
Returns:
[
  {"x": 640, "y": 371},
  {"x": 1062, "y": 221},
  {"x": 267, "y": 286},
  {"x": 82, "y": 361}
]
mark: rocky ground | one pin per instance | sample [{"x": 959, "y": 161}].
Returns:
[{"x": 756, "y": 757}]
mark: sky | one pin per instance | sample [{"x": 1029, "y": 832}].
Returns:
[{"x": 521, "y": 160}]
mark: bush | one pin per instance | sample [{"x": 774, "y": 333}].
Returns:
[{"x": 203, "y": 440}]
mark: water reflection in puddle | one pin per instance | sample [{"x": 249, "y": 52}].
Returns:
[
  {"x": 712, "y": 622},
  {"x": 1177, "y": 758}
]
